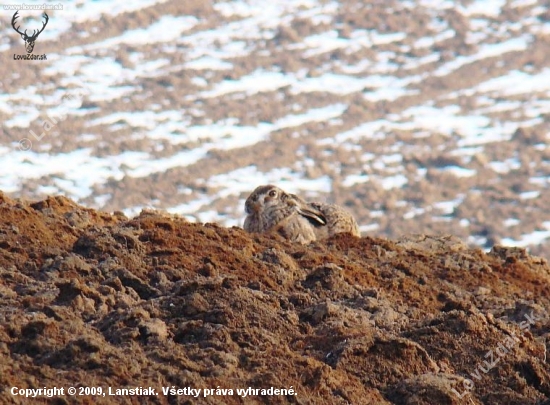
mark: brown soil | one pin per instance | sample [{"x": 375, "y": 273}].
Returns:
[{"x": 97, "y": 300}]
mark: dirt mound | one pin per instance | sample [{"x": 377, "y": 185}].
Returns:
[{"x": 155, "y": 302}]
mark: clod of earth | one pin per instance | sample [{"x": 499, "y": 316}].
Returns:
[{"x": 99, "y": 300}]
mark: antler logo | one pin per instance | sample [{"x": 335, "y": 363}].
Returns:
[{"x": 29, "y": 39}]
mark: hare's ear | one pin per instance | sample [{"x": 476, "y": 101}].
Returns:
[
  {"x": 313, "y": 215},
  {"x": 292, "y": 198}
]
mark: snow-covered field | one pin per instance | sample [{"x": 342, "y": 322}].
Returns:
[{"x": 421, "y": 116}]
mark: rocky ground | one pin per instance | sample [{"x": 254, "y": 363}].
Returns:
[{"x": 89, "y": 299}]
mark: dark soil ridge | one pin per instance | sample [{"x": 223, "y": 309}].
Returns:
[{"x": 99, "y": 300}]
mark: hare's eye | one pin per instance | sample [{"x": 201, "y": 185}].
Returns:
[{"x": 273, "y": 193}]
